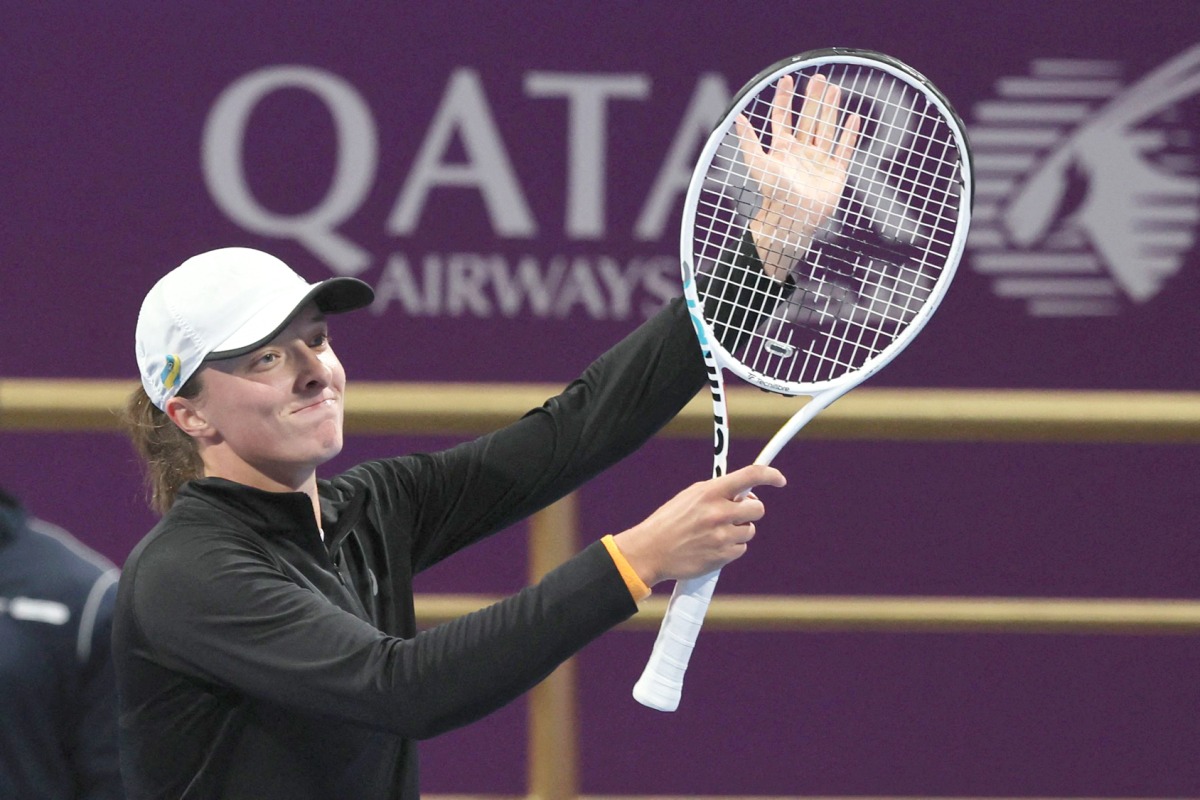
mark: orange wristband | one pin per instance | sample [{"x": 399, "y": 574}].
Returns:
[{"x": 637, "y": 587}]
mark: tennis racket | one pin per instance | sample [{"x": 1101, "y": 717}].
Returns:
[{"x": 822, "y": 226}]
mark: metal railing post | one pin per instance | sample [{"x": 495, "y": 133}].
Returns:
[{"x": 553, "y": 717}]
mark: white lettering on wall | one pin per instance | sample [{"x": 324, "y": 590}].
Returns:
[
  {"x": 489, "y": 285},
  {"x": 475, "y": 284},
  {"x": 464, "y": 111},
  {"x": 708, "y": 101},
  {"x": 357, "y": 155},
  {"x": 587, "y": 102}
]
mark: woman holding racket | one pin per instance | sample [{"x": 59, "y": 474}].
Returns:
[{"x": 265, "y": 639}]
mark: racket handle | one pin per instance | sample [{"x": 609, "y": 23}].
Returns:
[{"x": 661, "y": 684}]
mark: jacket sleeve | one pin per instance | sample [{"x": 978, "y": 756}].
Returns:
[
  {"x": 215, "y": 608},
  {"x": 738, "y": 295},
  {"x": 93, "y": 746},
  {"x": 620, "y": 401},
  {"x": 623, "y": 398}
]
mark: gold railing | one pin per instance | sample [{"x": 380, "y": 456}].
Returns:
[
  {"x": 889, "y": 414},
  {"x": 879, "y": 414}
]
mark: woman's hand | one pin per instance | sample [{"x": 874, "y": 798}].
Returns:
[
  {"x": 701, "y": 529},
  {"x": 801, "y": 179}
]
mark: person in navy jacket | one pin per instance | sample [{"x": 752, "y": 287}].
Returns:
[{"x": 58, "y": 697}]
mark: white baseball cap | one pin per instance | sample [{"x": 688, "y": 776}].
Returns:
[{"x": 222, "y": 304}]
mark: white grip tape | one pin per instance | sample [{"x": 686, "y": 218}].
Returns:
[{"x": 661, "y": 684}]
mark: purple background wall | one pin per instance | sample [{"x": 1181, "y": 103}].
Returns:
[{"x": 103, "y": 116}]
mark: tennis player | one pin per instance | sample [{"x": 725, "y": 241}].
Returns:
[{"x": 265, "y": 639}]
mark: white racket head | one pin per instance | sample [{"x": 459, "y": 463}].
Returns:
[{"x": 878, "y": 266}]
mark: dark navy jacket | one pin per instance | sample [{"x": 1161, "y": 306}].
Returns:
[{"x": 58, "y": 730}]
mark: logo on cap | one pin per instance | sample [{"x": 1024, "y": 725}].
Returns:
[{"x": 170, "y": 372}]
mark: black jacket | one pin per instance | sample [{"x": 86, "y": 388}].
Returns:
[{"x": 256, "y": 661}]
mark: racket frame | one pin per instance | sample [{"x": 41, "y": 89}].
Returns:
[{"x": 817, "y": 58}]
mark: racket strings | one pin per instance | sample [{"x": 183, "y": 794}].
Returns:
[{"x": 871, "y": 267}]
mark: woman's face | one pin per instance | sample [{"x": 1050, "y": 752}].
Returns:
[{"x": 275, "y": 414}]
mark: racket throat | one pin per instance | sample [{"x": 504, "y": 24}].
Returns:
[{"x": 801, "y": 418}]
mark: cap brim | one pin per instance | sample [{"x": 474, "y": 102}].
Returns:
[{"x": 333, "y": 296}]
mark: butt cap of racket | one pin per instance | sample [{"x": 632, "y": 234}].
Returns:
[{"x": 654, "y": 691}]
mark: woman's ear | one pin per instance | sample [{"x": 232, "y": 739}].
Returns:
[{"x": 187, "y": 416}]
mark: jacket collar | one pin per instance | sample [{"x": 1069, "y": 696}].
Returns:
[{"x": 278, "y": 513}]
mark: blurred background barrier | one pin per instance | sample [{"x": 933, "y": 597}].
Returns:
[{"x": 880, "y": 414}]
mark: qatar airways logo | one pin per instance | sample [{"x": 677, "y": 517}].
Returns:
[
  {"x": 1088, "y": 184},
  {"x": 464, "y": 147}
]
